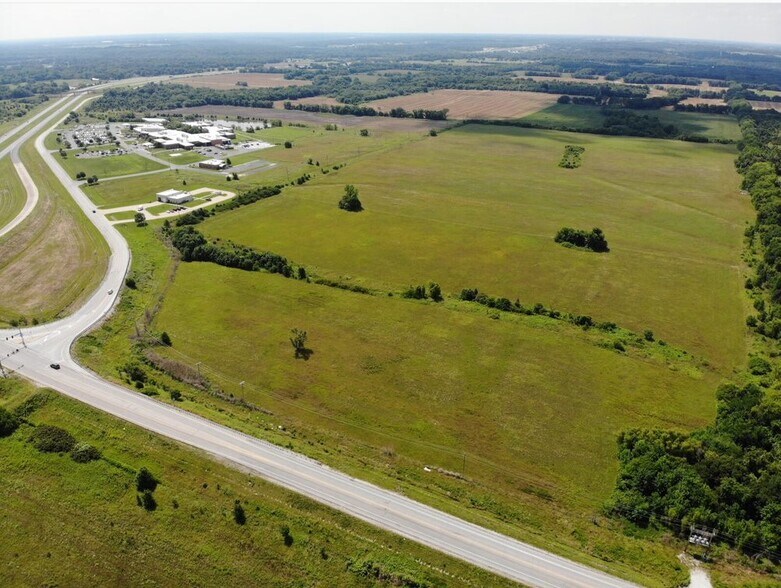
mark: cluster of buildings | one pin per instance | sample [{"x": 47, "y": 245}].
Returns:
[{"x": 205, "y": 133}]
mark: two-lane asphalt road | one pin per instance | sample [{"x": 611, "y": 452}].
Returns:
[{"x": 45, "y": 344}]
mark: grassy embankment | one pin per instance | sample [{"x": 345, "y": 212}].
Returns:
[
  {"x": 12, "y": 192},
  {"x": 575, "y": 116},
  {"x": 66, "y": 523},
  {"x": 495, "y": 391},
  {"x": 53, "y": 260},
  {"x": 178, "y": 157}
]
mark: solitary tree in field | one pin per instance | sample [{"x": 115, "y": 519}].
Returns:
[
  {"x": 238, "y": 513},
  {"x": 298, "y": 341},
  {"x": 350, "y": 200}
]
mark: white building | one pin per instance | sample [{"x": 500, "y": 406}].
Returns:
[{"x": 174, "y": 196}]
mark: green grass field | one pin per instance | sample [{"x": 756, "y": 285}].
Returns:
[
  {"x": 124, "y": 215},
  {"x": 107, "y": 167},
  {"x": 478, "y": 207},
  {"x": 714, "y": 126},
  {"x": 12, "y": 192},
  {"x": 67, "y": 524},
  {"x": 550, "y": 500}
]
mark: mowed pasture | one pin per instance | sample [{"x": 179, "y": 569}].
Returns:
[
  {"x": 227, "y": 81},
  {"x": 462, "y": 104},
  {"x": 108, "y": 166},
  {"x": 478, "y": 206},
  {"x": 391, "y": 371},
  {"x": 12, "y": 192}
]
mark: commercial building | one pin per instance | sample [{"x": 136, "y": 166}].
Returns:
[
  {"x": 209, "y": 135},
  {"x": 174, "y": 196}
]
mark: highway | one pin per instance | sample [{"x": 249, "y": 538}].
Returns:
[{"x": 29, "y": 353}]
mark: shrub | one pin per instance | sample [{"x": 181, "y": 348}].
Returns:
[
  {"x": 287, "y": 537},
  {"x": 288, "y": 144},
  {"x": 130, "y": 283},
  {"x": 648, "y": 335},
  {"x": 165, "y": 339},
  {"x": 145, "y": 480},
  {"x": 759, "y": 366},
  {"x": 435, "y": 292},
  {"x": 84, "y": 453},
  {"x": 175, "y": 395},
  {"x": 593, "y": 240},
  {"x": 8, "y": 423},
  {"x": 238, "y": 513},
  {"x": 51, "y": 439}
]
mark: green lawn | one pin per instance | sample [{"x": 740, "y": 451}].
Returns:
[
  {"x": 478, "y": 207},
  {"x": 124, "y": 215},
  {"x": 12, "y": 192},
  {"x": 74, "y": 524},
  {"x": 110, "y": 166},
  {"x": 714, "y": 126}
]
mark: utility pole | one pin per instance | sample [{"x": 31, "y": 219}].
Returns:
[
  {"x": 2, "y": 369},
  {"x": 198, "y": 367},
  {"x": 241, "y": 384},
  {"x": 22, "y": 336}
]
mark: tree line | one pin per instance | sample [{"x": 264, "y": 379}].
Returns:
[{"x": 725, "y": 475}]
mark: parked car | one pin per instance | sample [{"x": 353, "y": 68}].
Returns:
[{"x": 54, "y": 366}]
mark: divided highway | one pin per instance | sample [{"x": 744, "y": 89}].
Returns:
[{"x": 30, "y": 353}]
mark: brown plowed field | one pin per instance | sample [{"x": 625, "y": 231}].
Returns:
[
  {"x": 227, "y": 81},
  {"x": 489, "y": 104},
  {"x": 311, "y": 100}
]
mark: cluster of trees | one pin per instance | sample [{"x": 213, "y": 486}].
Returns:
[
  {"x": 572, "y": 156},
  {"x": 725, "y": 475},
  {"x": 31, "y": 89},
  {"x": 656, "y": 78},
  {"x": 193, "y": 246},
  {"x": 626, "y": 122},
  {"x": 433, "y": 291},
  {"x": 350, "y": 201},
  {"x": 705, "y": 108},
  {"x": 593, "y": 240},
  {"x": 759, "y": 161}
]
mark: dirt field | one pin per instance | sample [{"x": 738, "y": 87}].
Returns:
[
  {"x": 312, "y": 100},
  {"x": 717, "y": 101},
  {"x": 765, "y": 105},
  {"x": 491, "y": 104},
  {"x": 314, "y": 118},
  {"x": 227, "y": 81}
]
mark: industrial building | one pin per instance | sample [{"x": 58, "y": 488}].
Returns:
[
  {"x": 213, "y": 164},
  {"x": 174, "y": 196}
]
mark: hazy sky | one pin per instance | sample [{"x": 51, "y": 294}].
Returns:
[{"x": 756, "y": 22}]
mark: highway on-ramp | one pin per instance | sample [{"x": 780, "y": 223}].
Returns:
[{"x": 31, "y": 351}]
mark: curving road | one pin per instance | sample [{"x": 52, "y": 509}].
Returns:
[{"x": 30, "y": 354}]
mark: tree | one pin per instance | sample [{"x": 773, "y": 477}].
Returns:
[
  {"x": 238, "y": 513},
  {"x": 350, "y": 201},
  {"x": 140, "y": 219},
  {"x": 8, "y": 423},
  {"x": 148, "y": 501},
  {"x": 146, "y": 481},
  {"x": 648, "y": 335},
  {"x": 228, "y": 161},
  {"x": 287, "y": 537},
  {"x": 84, "y": 453},
  {"x": 364, "y": 132},
  {"x": 130, "y": 283},
  {"x": 235, "y": 176},
  {"x": 298, "y": 341},
  {"x": 288, "y": 145},
  {"x": 165, "y": 339}
]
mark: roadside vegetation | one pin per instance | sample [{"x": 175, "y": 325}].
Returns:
[
  {"x": 76, "y": 481},
  {"x": 12, "y": 192},
  {"x": 33, "y": 288}
]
